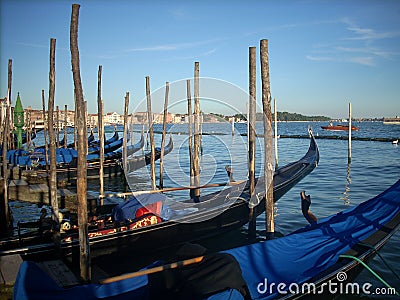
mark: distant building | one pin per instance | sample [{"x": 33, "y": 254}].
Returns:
[{"x": 113, "y": 118}]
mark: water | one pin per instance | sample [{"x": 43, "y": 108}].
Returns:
[{"x": 334, "y": 185}]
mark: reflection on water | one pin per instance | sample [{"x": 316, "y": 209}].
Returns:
[{"x": 346, "y": 193}]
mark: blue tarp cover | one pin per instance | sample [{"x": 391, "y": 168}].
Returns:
[{"x": 305, "y": 253}]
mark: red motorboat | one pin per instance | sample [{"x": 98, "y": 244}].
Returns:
[{"x": 339, "y": 127}]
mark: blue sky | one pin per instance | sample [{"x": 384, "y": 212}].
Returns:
[{"x": 323, "y": 54}]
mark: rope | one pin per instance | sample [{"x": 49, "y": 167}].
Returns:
[{"x": 370, "y": 270}]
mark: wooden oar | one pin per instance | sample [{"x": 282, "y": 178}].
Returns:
[
  {"x": 153, "y": 270},
  {"x": 210, "y": 185}
]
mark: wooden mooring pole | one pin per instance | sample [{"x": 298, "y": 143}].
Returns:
[
  {"x": 45, "y": 127},
  {"x": 125, "y": 136},
  {"x": 349, "y": 144},
  {"x": 251, "y": 135},
  {"x": 190, "y": 138},
  {"x": 65, "y": 125},
  {"x": 84, "y": 249},
  {"x": 268, "y": 169},
  {"x": 100, "y": 132},
  {"x": 196, "y": 140},
  {"x": 53, "y": 168},
  {"x": 163, "y": 134},
  {"x": 5, "y": 216},
  {"x": 150, "y": 124}
]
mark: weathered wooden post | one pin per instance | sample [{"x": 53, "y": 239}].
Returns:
[
  {"x": 85, "y": 268},
  {"x": 349, "y": 144},
  {"x": 251, "y": 135},
  {"x": 268, "y": 169},
  {"x": 196, "y": 152},
  {"x": 150, "y": 124},
  {"x": 9, "y": 84},
  {"x": 57, "y": 126},
  {"x": 46, "y": 145},
  {"x": 276, "y": 134},
  {"x": 125, "y": 155},
  {"x": 100, "y": 131},
  {"x": 163, "y": 135},
  {"x": 5, "y": 217},
  {"x": 189, "y": 101},
  {"x": 65, "y": 125},
  {"x": 53, "y": 169}
]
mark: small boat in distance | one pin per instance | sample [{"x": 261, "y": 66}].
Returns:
[{"x": 339, "y": 127}]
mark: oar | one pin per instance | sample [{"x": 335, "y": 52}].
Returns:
[
  {"x": 210, "y": 185},
  {"x": 153, "y": 270}
]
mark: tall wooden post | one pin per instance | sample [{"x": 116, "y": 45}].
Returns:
[
  {"x": 5, "y": 216},
  {"x": 53, "y": 168},
  {"x": 268, "y": 169},
  {"x": 163, "y": 135},
  {"x": 125, "y": 155},
  {"x": 196, "y": 152},
  {"x": 251, "y": 135},
  {"x": 45, "y": 127},
  {"x": 85, "y": 268},
  {"x": 10, "y": 114},
  {"x": 57, "y": 126},
  {"x": 349, "y": 148},
  {"x": 276, "y": 134},
  {"x": 150, "y": 124},
  {"x": 189, "y": 102},
  {"x": 65, "y": 125},
  {"x": 100, "y": 131}
]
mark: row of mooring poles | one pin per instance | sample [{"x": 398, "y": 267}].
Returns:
[{"x": 268, "y": 151}]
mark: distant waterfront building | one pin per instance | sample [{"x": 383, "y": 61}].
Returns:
[{"x": 113, "y": 118}]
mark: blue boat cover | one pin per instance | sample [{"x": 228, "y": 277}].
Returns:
[
  {"x": 292, "y": 259},
  {"x": 33, "y": 283},
  {"x": 305, "y": 253}
]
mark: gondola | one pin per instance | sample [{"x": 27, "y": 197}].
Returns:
[
  {"x": 64, "y": 156},
  {"x": 165, "y": 223},
  {"x": 317, "y": 261},
  {"x": 136, "y": 162}
]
